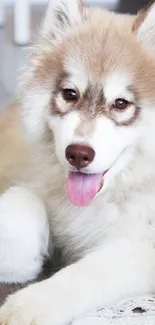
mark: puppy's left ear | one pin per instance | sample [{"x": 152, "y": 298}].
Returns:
[
  {"x": 61, "y": 16},
  {"x": 144, "y": 27}
]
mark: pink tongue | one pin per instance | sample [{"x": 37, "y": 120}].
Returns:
[{"x": 82, "y": 188}]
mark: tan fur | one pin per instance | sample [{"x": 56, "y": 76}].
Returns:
[{"x": 13, "y": 149}]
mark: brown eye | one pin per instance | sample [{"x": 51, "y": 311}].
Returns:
[
  {"x": 120, "y": 104},
  {"x": 70, "y": 95}
]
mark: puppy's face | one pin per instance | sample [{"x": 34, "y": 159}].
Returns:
[{"x": 90, "y": 81}]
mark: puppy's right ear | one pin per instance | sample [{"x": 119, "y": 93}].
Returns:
[
  {"x": 144, "y": 27},
  {"x": 61, "y": 16}
]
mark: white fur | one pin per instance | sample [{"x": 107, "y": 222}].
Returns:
[
  {"x": 114, "y": 142},
  {"x": 67, "y": 125},
  {"x": 95, "y": 279},
  {"x": 116, "y": 84},
  {"x": 24, "y": 235},
  {"x": 78, "y": 73},
  {"x": 38, "y": 99}
]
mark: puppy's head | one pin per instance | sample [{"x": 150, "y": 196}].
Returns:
[{"x": 91, "y": 80}]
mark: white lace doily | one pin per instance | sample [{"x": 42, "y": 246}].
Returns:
[{"x": 138, "y": 312}]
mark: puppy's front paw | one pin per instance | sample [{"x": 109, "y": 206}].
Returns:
[{"x": 27, "y": 307}]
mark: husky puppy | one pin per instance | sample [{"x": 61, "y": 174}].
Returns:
[{"x": 77, "y": 165}]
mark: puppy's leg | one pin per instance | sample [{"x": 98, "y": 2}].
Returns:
[
  {"x": 24, "y": 235},
  {"x": 121, "y": 270}
]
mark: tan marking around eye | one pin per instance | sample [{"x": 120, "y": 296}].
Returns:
[{"x": 126, "y": 120}]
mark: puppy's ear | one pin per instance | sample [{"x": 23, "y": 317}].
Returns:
[
  {"x": 61, "y": 16},
  {"x": 144, "y": 26}
]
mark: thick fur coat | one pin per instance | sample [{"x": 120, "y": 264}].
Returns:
[{"x": 89, "y": 82}]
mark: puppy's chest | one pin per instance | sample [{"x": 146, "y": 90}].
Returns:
[{"x": 79, "y": 230}]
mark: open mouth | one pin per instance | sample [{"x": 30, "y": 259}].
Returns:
[{"x": 82, "y": 188}]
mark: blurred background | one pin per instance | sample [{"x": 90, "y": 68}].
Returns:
[{"x": 19, "y": 21}]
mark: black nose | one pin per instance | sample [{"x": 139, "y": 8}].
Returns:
[{"x": 79, "y": 156}]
